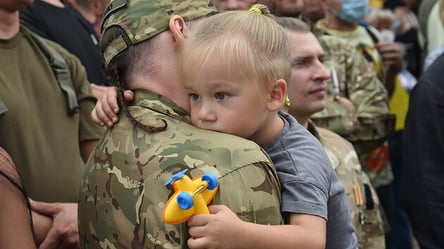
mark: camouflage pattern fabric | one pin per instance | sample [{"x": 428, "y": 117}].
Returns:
[
  {"x": 122, "y": 191},
  {"x": 364, "y": 204},
  {"x": 371, "y": 124},
  {"x": 143, "y": 19},
  {"x": 382, "y": 177}
]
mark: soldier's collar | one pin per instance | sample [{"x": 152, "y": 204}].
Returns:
[
  {"x": 311, "y": 127},
  {"x": 159, "y": 103}
]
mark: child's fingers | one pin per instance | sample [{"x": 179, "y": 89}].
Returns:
[
  {"x": 216, "y": 208},
  {"x": 198, "y": 220},
  {"x": 197, "y": 243}
]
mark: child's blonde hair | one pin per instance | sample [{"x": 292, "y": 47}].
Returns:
[{"x": 250, "y": 42}]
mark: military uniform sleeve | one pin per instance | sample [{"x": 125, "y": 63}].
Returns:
[
  {"x": 365, "y": 208},
  {"x": 371, "y": 124},
  {"x": 371, "y": 100},
  {"x": 257, "y": 182}
]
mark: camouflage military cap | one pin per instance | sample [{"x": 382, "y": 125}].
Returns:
[{"x": 143, "y": 19}]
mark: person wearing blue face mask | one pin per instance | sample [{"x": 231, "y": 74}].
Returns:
[
  {"x": 344, "y": 18},
  {"x": 352, "y": 11}
]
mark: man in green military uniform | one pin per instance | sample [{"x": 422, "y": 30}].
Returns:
[
  {"x": 122, "y": 191},
  {"x": 357, "y": 103}
]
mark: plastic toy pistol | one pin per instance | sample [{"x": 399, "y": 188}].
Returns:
[{"x": 191, "y": 197}]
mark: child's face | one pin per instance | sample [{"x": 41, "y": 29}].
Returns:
[
  {"x": 307, "y": 88},
  {"x": 225, "y": 101}
]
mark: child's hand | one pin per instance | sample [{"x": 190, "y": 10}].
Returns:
[
  {"x": 107, "y": 106},
  {"x": 219, "y": 230}
]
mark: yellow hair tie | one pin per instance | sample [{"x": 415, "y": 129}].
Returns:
[{"x": 256, "y": 10}]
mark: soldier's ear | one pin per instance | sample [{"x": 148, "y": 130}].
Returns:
[
  {"x": 177, "y": 27},
  {"x": 276, "y": 95}
]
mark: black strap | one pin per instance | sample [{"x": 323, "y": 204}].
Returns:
[
  {"x": 61, "y": 72},
  {"x": 370, "y": 204},
  {"x": 364, "y": 24}
]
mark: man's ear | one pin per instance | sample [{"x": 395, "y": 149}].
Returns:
[
  {"x": 276, "y": 95},
  {"x": 177, "y": 27}
]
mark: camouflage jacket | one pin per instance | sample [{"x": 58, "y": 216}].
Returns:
[
  {"x": 122, "y": 191},
  {"x": 370, "y": 124},
  {"x": 363, "y": 200}
]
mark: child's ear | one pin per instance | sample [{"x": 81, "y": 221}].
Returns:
[
  {"x": 276, "y": 95},
  {"x": 177, "y": 27}
]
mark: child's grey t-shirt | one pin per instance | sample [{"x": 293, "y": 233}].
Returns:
[{"x": 309, "y": 184}]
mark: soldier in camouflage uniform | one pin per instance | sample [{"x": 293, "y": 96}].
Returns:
[
  {"x": 363, "y": 201},
  {"x": 357, "y": 106},
  {"x": 385, "y": 58},
  {"x": 122, "y": 192}
]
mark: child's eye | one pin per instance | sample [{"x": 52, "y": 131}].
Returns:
[
  {"x": 221, "y": 95},
  {"x": 194, "y": 96}
]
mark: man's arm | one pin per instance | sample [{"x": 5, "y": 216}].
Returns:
[
  {"x": 393, "y": 60},
  {"x": 371, "y": 99},
  {"x": 369, "y": 125}
]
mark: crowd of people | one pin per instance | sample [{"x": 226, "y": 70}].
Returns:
[{"x": 319, "y": 118}]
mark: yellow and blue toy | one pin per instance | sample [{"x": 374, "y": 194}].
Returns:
[{"x": 190, "y": 197}]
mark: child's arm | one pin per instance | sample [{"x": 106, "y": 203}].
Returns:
[{"x": 223, "y": 229}]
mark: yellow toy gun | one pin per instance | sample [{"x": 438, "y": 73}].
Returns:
[{"x": 190, "y": 197}]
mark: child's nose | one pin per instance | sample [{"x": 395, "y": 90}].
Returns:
[{"x": 207, "y": 113}]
